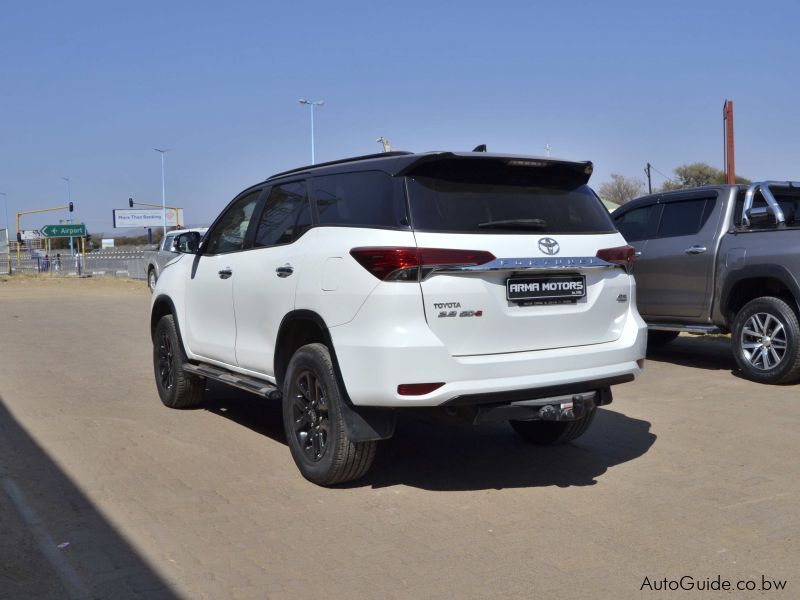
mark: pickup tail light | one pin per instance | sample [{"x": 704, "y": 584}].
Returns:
[
  {"x": 391, "y": 263},
  {"x": 620, "y": 255}
]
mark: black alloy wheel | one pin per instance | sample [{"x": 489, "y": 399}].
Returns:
[
  {"x": 310, "y": 414},
  {"x": 166, "y": 361},
  {"x": 313, "y": 419},
  {"x": 176, "y": 387}
]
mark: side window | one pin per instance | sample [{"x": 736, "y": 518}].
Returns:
[
  {"x": 637, "y": 224},
  {"x": 228, "y": 234},
  {"x": 286, "y": 215},
  {"x": 685, "y": 218},
  {"x": 368, "y": 199}
]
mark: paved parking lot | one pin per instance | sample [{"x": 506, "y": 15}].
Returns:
[{"x": 691, "y": 471}]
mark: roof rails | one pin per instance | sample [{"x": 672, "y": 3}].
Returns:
[{"x": 341, "y": 161}]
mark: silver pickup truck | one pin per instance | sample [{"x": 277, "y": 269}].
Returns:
[
  {"x": 722, "y": 259},
  {"x": 157, "y": 259}
]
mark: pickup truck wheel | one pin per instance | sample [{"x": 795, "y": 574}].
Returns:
[
  {"x": 766, "y": 339},
  {"x": 314, "y": 424},
  {"x": 151, "y": 279},
  {"x": 552, "y": 433},
  {"x": 656, "y": 338},
  {"x": 176, "y": 388}
]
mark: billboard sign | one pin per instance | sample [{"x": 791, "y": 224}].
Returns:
[
  {"x": 147, "y": 217},
  {"x": 27, "y": 235}
]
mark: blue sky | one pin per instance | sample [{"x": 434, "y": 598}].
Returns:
[{"x": 88, "y": 89}]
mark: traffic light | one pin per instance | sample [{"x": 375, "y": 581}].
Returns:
[
  {"x": 19, "y": 237},
  {"x": 130, "y": 202},
  {"x": 71, "y": 208}
]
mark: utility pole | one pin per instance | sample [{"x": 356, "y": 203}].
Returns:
[
  {"x": 727, "y": 121},
  {"x": 649, "y": 181}
]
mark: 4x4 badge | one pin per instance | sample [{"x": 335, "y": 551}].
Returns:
[{"x": 549, "y": 246}]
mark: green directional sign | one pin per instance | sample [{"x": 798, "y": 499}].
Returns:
[{"x": 68, "y": 230}]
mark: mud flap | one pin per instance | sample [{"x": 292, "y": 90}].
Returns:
[{"x": 367, "y": 423}]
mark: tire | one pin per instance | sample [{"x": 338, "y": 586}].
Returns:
[
  {"x": 312, "y": 418},
  {"x": 656, "y": 339},
  {"x": 766, "y": 341},
  {"x": 176, "y": 388},
  {"x": 553, "y": 433},
  {"x": 152, "y": 278}
]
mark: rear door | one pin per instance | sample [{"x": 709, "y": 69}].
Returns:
[
  {"x": 549, "y": 291},
  {"x": 675, "y": 270},
  {"x": 268, "y": 272}
]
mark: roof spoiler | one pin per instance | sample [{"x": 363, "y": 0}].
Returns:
[{"x": 578, "y": 172}]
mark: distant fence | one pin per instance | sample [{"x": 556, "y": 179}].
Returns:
[{"x": 129, "y": 264}]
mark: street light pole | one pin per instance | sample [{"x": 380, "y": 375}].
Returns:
[
  {"x": 69, "y": 215},
  {"x": 8, "y": 238},
  {"x": 163, "y": 190},
  {"x": 312, "y": 104}
]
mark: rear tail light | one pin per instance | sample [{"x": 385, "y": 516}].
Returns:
[
  {"x": 621, "y": 255},
  {"x": 413, "y": 264},
  {"x": 417, "y": 389}
]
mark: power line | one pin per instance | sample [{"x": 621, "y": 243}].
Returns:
[{"x": 660, "y": 173}]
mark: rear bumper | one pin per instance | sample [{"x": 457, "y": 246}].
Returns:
[{"x": 375, "y": 360}]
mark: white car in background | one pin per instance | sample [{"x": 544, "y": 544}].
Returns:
[
  {"x": 156, "y": 260},
  {"x": 485, "y": 286}
]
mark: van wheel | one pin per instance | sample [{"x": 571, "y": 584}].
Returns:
[
  {"x": 766, "y": 341},
  {"x": 552, "y": 433},
  {"x": 313, "y": 421},
  {"x": 176, "y": 388},
  {"x": 151, "y": 279}
]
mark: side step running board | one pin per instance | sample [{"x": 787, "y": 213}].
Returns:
[
  {"x": 243, "y": 382},
  {"x": 687, "y": 328}
]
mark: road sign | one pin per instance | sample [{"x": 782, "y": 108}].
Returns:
[
  {"x": 68, "y": 230},
  {"x": 148, "y": 217},
  {"x": 31, "y": 234}
]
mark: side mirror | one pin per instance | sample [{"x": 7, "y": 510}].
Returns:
[
  {"x": 760, "y": 216},
  {"x": 187, "y": 243}
]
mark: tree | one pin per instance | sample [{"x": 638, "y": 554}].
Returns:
[
  {"x": 696, "y": 175},
  {"x": 621, "y": 189}
]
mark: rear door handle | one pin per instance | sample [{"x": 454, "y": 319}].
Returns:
[
  {"x": 285, "y": 270},
  {"x": 695, "y": 250},
  {"x": 225, "y": 273}
]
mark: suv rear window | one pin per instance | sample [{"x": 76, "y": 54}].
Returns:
[
  {"x": 362, "y": 199},
  {"x": 475, "y": 205}
]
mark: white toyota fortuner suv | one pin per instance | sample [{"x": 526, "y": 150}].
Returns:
[{"x": 490, "y": 287}]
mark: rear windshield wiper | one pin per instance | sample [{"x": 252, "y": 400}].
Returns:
[{"x": 537, "y": 224}]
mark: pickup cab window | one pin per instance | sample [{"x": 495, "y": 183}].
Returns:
[
  {"x": 166, "y": 243},
  {"x": 639, "y": 223},
  {"x": 685, "y": 218}
]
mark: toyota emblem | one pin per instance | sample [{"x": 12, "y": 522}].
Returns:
[{"x": 549, "y": 246}]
